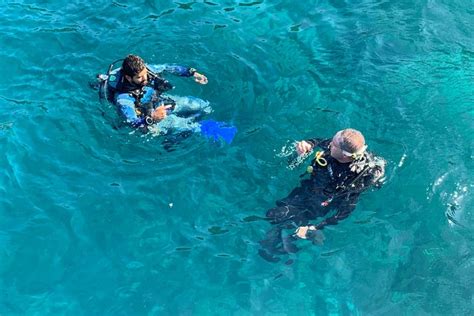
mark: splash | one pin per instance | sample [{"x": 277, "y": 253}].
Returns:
[
  {"x": 456, "y": 202},
  {"x": 402, "y": 160},
  {"x": 289, "y": 152}
]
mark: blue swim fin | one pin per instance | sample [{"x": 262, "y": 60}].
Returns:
[{"x": 218, "y": 130}]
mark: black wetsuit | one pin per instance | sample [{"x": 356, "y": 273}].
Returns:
[{"x": 330, "y": 187}]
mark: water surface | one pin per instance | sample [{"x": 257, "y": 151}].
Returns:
[{"x": 86, "y": 224}]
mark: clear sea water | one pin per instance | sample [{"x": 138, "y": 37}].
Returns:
[{"x": 96, "y": 220}]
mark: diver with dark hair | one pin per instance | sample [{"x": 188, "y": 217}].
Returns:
[
  {"x": 137, "y": 89},
  {"x": 139, "y": 93},
  {"x": 340, "y": 171}
]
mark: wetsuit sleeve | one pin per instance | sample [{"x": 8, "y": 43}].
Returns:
[
  {"x": 126, "y": 106},
  {"x": 177, "y": 70},
  {"x": 314, "y": 141},
  {"x": 344, "y": 209},
  {"x": 319, "y": 142}
]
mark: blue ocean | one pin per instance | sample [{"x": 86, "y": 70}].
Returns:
[{"x": 97, "y": 218}]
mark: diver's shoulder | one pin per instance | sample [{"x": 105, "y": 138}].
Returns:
[{"x": 376, "y": 165}]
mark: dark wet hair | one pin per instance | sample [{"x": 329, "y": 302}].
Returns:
[{"x": 132, "y": 65}]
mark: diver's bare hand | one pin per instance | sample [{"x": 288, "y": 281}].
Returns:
[
  {"x": 200, "y": 78},
  {"x": 160, "y": 112},
  {"x": 303, "y": 147},
  {"x": 302, "y": 231}
]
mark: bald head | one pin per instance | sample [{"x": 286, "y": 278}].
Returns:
[
  {"x": 350, "y": 140},
  {"x": 347, "y": 144}
]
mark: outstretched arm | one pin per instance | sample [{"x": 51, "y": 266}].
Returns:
[{"x": 178, "y": 70}]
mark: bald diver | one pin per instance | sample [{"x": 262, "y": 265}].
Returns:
[{"x": 340, "y": 171}]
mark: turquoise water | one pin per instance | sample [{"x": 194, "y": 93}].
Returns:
[{"x": 96, "y": 220}]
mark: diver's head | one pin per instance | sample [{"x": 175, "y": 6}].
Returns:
[
  {"x": 134, "y": 70},
  {"x": 348, "y": 145}
]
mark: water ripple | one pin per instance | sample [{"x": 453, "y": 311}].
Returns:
[{"x": 87, "y": 204}]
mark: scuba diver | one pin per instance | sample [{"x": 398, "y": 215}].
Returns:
[
  {"x": 340, "y": 171},
  {"x": 138, "y": 91}
]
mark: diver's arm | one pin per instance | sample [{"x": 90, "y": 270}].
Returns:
[
  {"x": 305, "y": 146},
  {"x": 345, "y": 208},
  {"x": 178, "y": 70},
  {"x": 174, "y": 69},
  {"x": 314, "y": 141},
  {"x": 333, "y": 220},
  {"x": 126, "y": 106}
]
